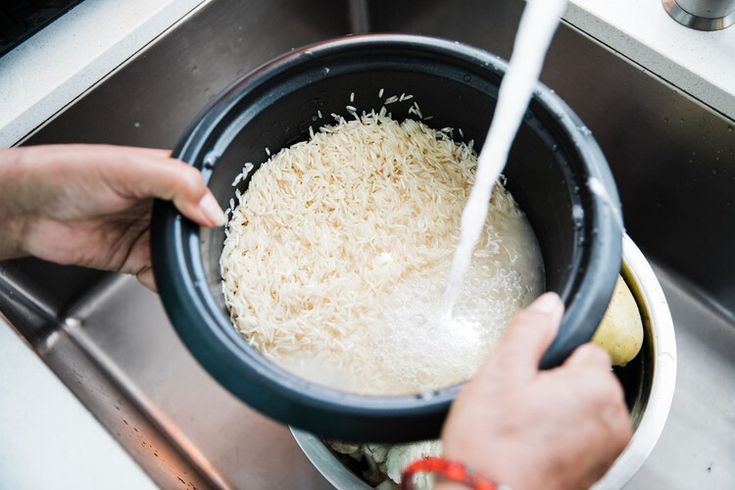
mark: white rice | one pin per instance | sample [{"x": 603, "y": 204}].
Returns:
[{"x": 336, "y": 255}]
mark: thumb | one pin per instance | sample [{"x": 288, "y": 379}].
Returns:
[
  {"x": 529, "y": 334},
  {"x": 173, "y": 180}
]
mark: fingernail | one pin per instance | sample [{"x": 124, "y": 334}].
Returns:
[
  {"x": 547, "y": 303},
  {"x": 208, "y": 205}
]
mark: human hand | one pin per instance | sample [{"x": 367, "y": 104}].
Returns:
[
  {"x": 530, "y": 429},
  {"x": 90, "y": 205}
]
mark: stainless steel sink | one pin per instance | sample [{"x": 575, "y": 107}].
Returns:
[{"x": 109, "y": 340}]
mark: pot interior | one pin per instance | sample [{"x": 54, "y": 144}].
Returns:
[{"x": 543, "y": 177}]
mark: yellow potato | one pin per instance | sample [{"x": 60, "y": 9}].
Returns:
[{"x": 621, "y": 331}]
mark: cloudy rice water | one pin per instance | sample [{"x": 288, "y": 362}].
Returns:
[{"x": 337, "y": 257}]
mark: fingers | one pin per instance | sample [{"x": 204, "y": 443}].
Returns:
[
  {"x": 592, "y": 363},
  {"x": 151, "y": 152},
  {"x": 145, "y": 276},
  {"x": 183, "y": 184},
  {"x": 149, "y": 175},
  {"x": 529, "y": 334},
  {"x": 589, "y": 355},
  {"x": 139, "y": 173}
]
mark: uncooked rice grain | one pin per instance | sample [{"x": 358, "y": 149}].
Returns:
[{"x": 329, "y": 229}]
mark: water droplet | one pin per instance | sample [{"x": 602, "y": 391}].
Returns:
[
  {"x": 325, "y": 70},
  {"x": 210, "y": 159},
  {"x": 714, "y": 171},
  {"x": 528, "y": 115},
  {"x": 585, "y": 130},
  {"x": 554, "y": 147},
  {"x": 136, "y": 124},
  {"x": 577, "y": 213},
  {"x": 666, "y": 120},
  {"x": 681, "y": 120},
  {"x": 729, "y": 128},
  {"x": 666, "y": 358},
  {"x": 467, "y": 78}
]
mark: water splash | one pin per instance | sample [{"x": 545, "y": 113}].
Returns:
[{"x": 538, "y": 23}]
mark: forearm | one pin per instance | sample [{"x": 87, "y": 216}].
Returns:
[{"x": 11, "y": 216}]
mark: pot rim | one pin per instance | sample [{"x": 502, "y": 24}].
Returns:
[{"x": 650, "y": 297}]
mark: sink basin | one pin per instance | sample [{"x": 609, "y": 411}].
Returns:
[{"x": 109, "y": 340}]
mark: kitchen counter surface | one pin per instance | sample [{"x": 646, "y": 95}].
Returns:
[
  {"x": 701, "y": 64},
  {"x": 62, "y": 61},
  {"x": 50, "y": 440},
  {"x": 58, "y": 64}
]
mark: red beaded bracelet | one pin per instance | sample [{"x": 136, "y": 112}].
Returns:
[{"x": 450, "y": 470}]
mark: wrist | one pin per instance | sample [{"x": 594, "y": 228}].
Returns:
[
  {"x": 493, "y": 462},
  {"x": 449, "y": 485},
  {"x": 451, "y": 474}
]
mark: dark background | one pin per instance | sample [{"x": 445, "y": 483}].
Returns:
[{"x": 20, "y": 19}]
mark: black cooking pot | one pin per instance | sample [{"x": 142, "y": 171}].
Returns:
[{"x": 552, "y": 163}]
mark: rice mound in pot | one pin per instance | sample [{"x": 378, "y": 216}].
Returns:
[{"x": 336, "y": 258}]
